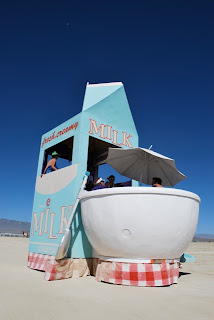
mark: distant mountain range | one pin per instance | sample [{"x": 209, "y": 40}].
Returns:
[
  {"x": 13, "y": 226},
  {"x": 203, "y": 237}
]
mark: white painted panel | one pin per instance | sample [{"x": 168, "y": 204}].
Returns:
[
  {"x": 57, "y": 180},
  {"x": 140, "y": 223}
]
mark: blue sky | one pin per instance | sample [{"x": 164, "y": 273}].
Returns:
[{"x": 161, "y": 50}]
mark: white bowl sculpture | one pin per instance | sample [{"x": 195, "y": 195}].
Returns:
[{"x": 140, "y": 222}]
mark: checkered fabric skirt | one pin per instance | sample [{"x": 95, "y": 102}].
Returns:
[
  {"x": 136, "y": 274},
  {"x": 59, "y": 269},
  {"x": 152, "y": 274}
]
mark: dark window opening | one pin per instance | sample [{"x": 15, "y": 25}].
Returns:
[
  {"x": 64, "y": 149},
  {"x": 97, "y": 153}
]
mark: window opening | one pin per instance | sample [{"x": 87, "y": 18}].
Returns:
[
  {"x": 64, "y": 149},
  {"x": 98, "y": 152}
]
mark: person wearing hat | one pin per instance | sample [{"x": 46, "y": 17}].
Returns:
[
  {"x": 99, "y": 184},
  {"x": 51, "y": 165}
]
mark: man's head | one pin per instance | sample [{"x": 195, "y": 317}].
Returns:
[
  {"x": 111, "y": 178},
  {"x": 55, "y": 155},
  {"x": 156, "y": 181}
]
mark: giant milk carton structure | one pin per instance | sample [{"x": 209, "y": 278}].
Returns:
[{"x": 105, "y": 121}]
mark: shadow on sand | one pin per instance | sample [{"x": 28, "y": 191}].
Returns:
[{"x": 183, "y": 274}]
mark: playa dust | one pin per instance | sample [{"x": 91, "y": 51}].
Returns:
[{"x": 25, "y": 294}]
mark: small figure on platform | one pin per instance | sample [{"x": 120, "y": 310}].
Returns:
[
  {"x": 110, "y": 182},
  {"x": 156, "y": 182},
  {"x": 99, "y": 184},
  {"x": 51, "y": 165}
]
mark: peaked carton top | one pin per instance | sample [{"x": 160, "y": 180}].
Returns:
[{"x": 97, "y": 92}]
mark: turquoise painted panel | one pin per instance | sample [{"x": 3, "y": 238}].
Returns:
[
  {"x": 111, "y": 120},
  {"x": 50, "y": 216},
  {"x": 106, "y": 116},
  {"x": 96, "y": 93},
  {"x": 187, "y": 258},
  {"x": 62, "y": 132}
]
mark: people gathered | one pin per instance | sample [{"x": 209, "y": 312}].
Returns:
[{"x": 99, "y": 184}]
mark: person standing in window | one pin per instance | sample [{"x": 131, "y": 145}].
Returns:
[{"x": 51, "y": 165}]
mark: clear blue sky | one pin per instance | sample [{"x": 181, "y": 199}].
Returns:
[{"x": 161, "y": 50}]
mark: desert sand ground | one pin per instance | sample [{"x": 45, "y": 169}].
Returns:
[{"x": 25, "y": 295}]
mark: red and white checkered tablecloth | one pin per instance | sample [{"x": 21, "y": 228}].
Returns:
[
  {"x": 59, "y": 269},
  {"x": 38, "y": 261},
  {"x": 151, "y": 274},
  {"x": 136, "y": 274}
]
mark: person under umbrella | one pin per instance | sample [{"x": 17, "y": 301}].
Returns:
[
  {"x": 99, "y": 184},
  {"x": 156, "y": 182},
  {"x": 110, "y": 182},
  {"x": 142, "y": 165}
]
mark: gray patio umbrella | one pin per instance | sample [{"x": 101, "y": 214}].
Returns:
[{"x": 143, "y": 164}]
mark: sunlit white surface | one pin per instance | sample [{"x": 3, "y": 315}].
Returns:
[
  {"x": 140, "y": 222},
  {"x": 57, "y": 180}
]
